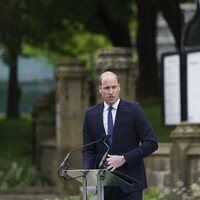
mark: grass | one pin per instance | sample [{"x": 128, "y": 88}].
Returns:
[
  {"x": 153, "y": 110},
  {"x": 16, "y": 169},
  {"x": 151, "y": 196},
  {"x": 15, "y": 139}
]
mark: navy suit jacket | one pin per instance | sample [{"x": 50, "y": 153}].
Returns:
[{"x": 133, "y": 137}]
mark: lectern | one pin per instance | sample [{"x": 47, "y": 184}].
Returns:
[{"x": 99, "y": 178}]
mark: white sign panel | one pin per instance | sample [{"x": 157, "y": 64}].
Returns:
[
  {"x": 172, "y": 96},
  {"x": 193, "y": 86}
]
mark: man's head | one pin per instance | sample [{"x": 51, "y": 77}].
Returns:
[{"x": 109, "y": 87}]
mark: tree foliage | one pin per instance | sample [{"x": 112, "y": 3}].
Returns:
[
  {"x": 61, "y": 26},
  {"x": 10, "y": 40},
  {"x": 42, "y": 24}
]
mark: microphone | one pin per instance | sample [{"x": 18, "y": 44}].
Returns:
[
  {"x": 106, "y": 153},
  {"x": 65, "y": 161}
]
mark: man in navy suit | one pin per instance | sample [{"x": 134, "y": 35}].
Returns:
[{"x": 132, "y": 138}]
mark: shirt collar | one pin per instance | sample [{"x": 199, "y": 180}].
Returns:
[{"x": 115, "y": 105}]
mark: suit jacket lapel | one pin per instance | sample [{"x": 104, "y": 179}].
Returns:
[
  {"x": 100, "y": 119},
  {"x": 119, "y": 116}
]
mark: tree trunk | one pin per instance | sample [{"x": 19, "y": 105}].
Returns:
[
  {"x": 116, "y": 30},
  {"x": 13, "y": 90},
  {"x": 172, "y": 13},
  {"x": 148, "y": 84}
]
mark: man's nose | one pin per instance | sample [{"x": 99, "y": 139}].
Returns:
[{"x": 110, "y": 90}]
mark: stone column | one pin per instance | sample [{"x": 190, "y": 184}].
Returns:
[
  {"x": 185, "y": 159},
  {"x": 71, "y": 101},
  {"x": 119, "y": 60},
  {"x": 43, "y": 113},
  {"x": 43, "y": 120}
]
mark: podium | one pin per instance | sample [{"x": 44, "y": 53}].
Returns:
[{"x": 99, "y": 178}]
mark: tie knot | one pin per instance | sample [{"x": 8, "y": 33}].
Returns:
[{"x": 110, "y": 108}]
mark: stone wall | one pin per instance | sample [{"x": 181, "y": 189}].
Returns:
[
  {"x": 158, "y": 168},
  {"x": 174, "y": 169},
  {"x": 185, "y": 158}
]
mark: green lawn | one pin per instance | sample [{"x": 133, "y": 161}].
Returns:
[
  {"x": 153, "y": 110},
  {"x": 16, "y": 169},
  {"x": 15, "y": 139}
]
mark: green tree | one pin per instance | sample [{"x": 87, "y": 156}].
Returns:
[
  {"x": 112, "y": 18},
  {"x": 27, "y": 22},
  {"x": 52, "y": 26},
  {"x": 10, "y": 40}
]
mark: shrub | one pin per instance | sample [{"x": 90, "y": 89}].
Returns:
[{"x": 16, "y": 175}]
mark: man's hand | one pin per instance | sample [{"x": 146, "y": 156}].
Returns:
[{"x": 114, "y": 162}]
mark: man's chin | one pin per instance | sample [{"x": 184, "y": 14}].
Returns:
[{"x": 111, "y": 101}]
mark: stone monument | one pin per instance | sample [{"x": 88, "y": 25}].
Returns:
[
  {"x": 119, "y": 60},
  {"x": 71, "y": 101}
]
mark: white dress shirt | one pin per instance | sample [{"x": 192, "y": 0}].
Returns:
[{"x": 105, "y": 114}]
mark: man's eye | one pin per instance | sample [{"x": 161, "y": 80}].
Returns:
[{"x": 106, "y": 88}]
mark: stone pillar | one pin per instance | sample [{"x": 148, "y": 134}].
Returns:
[
  {"x": 119, "y": 60},
  {"x": 71, "y": 101},
  {"x": 157, "y": 167},
  {"x": 185, "y": 158},
  {"x": 43, "y": 122}
]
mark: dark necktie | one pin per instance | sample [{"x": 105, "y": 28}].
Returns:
[{"x": 110, "y": 123}]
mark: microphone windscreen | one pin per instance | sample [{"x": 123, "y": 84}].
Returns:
[
  {"x": 105, "y": 136},
  {"x": 108, "y": 136}
]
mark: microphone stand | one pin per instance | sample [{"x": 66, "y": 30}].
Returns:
[
  {"x": 101, "y": 164},
  {"x": 101, "y": 173},
  {"x": 64, "y": 166}
]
